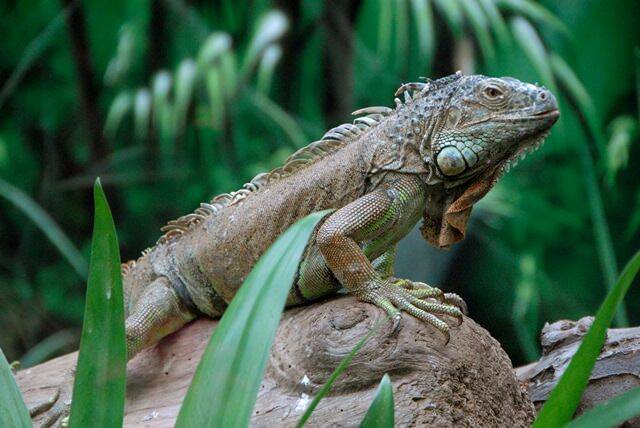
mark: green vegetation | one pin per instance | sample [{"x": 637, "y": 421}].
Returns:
[
  {"x": 173, "y": 102},
  {"x": 98, "y": 391},
  {"x": 227, "y": 380}
]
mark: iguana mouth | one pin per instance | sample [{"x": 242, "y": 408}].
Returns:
[{"x": 551, "y": 114}]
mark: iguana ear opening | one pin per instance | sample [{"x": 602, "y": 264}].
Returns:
[{"x": 445, "y": 219}]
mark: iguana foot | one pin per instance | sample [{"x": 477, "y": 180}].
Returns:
[
  {"x": 422, "y": 290},
  {"x": 56, "y": 408},
  {"x": 421, "y": 301}
]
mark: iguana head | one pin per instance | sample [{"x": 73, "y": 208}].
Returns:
[
  {"x": 487, "y": 123},
  {"x": 477, "y": 127}
]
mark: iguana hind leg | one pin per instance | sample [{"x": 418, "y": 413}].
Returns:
[{"x": 157, "y": 312}]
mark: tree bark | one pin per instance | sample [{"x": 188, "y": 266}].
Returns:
[
  {"x": 616, "y": 371},
  {"x": 467, "y": 382}
]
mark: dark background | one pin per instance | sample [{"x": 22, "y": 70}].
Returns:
[{"x": 172, "y": 102}]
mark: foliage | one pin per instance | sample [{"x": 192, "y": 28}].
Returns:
[
  {"x": 13, "y": 412},
  {"x": 227, "y": 380},
  {"x": 611, "y": 413},
  {"x": 98, "y": 391},
  {"x": 380, "y": 413},
  {"x": 565, "y": 398},
  {"x": 194, "y": 99}
]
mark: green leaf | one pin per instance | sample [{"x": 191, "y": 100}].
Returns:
[
  {"x": 98, "y": 393},
  {"x": 287, "y": 124},
  {"x": 583, "y": 101},
  {"x": 424, "y": 25},
  {"x": 528, "y": 38},
  {"x": 533, "y": 47},
  {"x": 334, "y": 375},
  {"x": 611, "y": 413},
  {"x": 33, "y": 51},
  {"x": 266, "y": 68},
  {"x": 13, "y": 412},
  {"x": 452, "y": 14},
  {"x": 380, "y": 413},
  {"x": 565, "y": 397},
  {"x": 226, "y": 382},
  {"x": 186, "y": 76},
  {"x": 480, "y": 27},
  {"x": 534, "y": 12},
  {"x": 498, "y": 25},
  {"x": 624, "y": 130},
  {"x": 119, "y": 108},
  {"x": 46, "y": 224}
]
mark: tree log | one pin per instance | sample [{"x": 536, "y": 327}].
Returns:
[
  {"x": 616, "y": 371},
  {"x": 468, "y": 382}
]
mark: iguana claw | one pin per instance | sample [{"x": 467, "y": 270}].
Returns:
[
  {"x": 395, "y": 296},
  {"x": 57, "y": 407}
]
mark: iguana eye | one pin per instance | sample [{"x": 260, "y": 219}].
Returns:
[{"x": 492, "y": 92}]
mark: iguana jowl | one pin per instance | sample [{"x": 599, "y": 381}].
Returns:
[{"x": 433, "y": 156}]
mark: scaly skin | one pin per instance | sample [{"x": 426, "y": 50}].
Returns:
[{"x": 434, "y": 156}]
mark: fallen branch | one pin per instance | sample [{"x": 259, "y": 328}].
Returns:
[{"x": 468, "y": 382}]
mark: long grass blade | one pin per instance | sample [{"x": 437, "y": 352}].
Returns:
[
  {"x": 98, "y": 392},
  {"x": 480, "y": 28},
  {"x": 528, "y": 38},
  {"x": 13, "y": 412},
  {"x": 46, "y": 224},
  {"x": 270, "y": 28},
  {"x": 33, "y": 51},
  {"x": 281, "y": 118},
  {"x": 224, "y": 388},
  {"x": 141, "y": 113},
  {"x": 186, "y": 76},
  {"x": 565, "y": 397},
  {"x": 496, "y": 20},
  {"x": 604, "y": 244},
  {"x": 385, "y": 25},
  {"x": 119, "y": 108},
  {"x": 452, "y": 14},
  {"x": 535, "y": 12},
  {"x": 533, "y": 47},
  {"x": 583, "y": 101},
  {"x": 423, "y": 17},
  {"x": 381, "y": 413},
  {"x": 266, "y": 68},
  {"x": 611, "y": 413},
  {"x": 326, "y": 388}
]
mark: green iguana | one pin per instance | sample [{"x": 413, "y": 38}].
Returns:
[{"x": 433, "y": 156}]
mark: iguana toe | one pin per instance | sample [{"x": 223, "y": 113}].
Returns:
[{"x": 393, "y": 299}]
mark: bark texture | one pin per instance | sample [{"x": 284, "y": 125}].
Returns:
[
  {"x": 468, "y": 382},
  {"x": 617, "y": 369}
]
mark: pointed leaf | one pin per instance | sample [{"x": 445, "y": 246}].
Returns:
[
  {"x": 46, "y": 224},
  {"x": 13, "y": 412},
  {"x": 326, "y": 388},
  {"x": 226, "y": 382},
  {"x": 480, "y": 28},
  {"x": 611, "y": 413},
  {"x": 98, "y": 392},
  {"x": 534, "y": 12},
  {"x": 381, "y": 413},
  {"x": 565, "y": 397}
]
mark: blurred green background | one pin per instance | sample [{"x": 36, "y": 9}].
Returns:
[{"x": 172, "y": 102}]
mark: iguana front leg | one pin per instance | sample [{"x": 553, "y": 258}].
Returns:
[{"x": 375, "y": 219}]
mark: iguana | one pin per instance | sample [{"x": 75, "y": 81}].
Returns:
[{"x": 433, "y": 156}]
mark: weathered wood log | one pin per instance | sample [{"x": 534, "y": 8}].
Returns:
[
  {"x": 616, "y": 371},
  {"x": 468, "y": 382}
]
